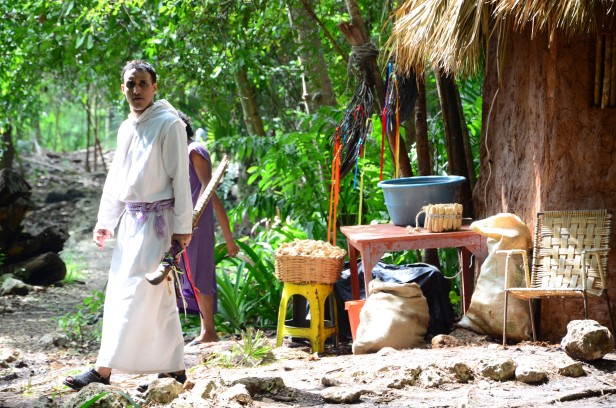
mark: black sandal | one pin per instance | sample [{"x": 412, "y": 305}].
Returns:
[
  {"x": 85, "y": 378},
  {"x": 181, "y": 378}
]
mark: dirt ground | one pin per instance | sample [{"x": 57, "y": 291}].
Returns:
[{"x": 33, "y": 378}]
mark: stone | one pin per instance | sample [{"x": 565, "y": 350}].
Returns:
[
  {"x": 163, "y": 390},
  {"x": 341, "y": 395},
  {"x": 530, "y": 375},
  {"x": 461, "y": 372},
  {"x": 11, "y": 286},
  {"x": 8, "y": 356},
  {"x": 237, "y": 393},
  {"x": 498, "y": 369},
  {"x": 110, "y": 400},
  {"x": 206, "y": 389},
  {"x": 44, "y": 269},
  {"x": 431, "y": 377},
  {"x": 261, "y": 385},
  {"x": 444, "y": 340},
  {"x": 409, "y": 377},
  {"x": 54, "y": 340},
  {"x": 572, "y": 369},
  {"x": 329, "y": 381},
  {"x": 386, "y": 351},
  {"x": 587, "y": 340}
]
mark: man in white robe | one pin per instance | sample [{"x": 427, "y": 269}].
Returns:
[{"x": 147, "y": 192}]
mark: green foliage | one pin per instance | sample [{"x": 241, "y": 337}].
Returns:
[
  {"x": 92, "y": 401},
  {"x": 73, "y": 271},
  {"x": 86, "y": 323},
  {"x": 290, "y": 178},
  {"x": 60, "y": 58},
  {"x": 248, "y": 292},
  {"x": 252, "y": 350}
]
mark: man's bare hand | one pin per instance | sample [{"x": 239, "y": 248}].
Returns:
[
  {"x": 182, "y": 239},
  {"x": 100, "y": 236}
]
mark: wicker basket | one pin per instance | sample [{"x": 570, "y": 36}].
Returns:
[
  {"x": 442, "y": 217},
  {"x": 308, "y": 269}
]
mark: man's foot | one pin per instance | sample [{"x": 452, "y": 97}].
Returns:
[
  {"x": 85, "y": 378},
  {"x": 179, "y": 376}
]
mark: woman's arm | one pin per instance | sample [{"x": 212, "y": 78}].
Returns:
[{"x": 203, "y": 169}]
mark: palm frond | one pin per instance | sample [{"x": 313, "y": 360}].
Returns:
[{"x": 451, "y": 35}]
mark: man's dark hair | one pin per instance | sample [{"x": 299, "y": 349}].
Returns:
[
  {"x": 140, "y": 65},
  {"x": 186, "y": 120}
]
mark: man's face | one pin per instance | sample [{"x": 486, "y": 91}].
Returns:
[{"x": 139, "y": 90}]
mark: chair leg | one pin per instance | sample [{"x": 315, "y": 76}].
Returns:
[
  {"x": 505, "y": 320},
  {"x": 282, "y": 315},
  {"x": 532, "y": 319},
  {"x": 585, "y": 306},
  {"x": 609, "y": 310}
]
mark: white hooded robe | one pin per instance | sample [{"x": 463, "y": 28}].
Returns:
[{"x": 141, "y": 326}]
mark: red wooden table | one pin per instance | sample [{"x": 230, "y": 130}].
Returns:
[{"x": 372, "y": 241}]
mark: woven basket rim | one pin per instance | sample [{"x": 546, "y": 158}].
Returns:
[{"x": 308, "y": 269}]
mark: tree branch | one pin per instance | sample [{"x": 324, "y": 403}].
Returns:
[{"x": 327, "y": 33}]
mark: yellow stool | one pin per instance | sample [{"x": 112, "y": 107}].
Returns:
[{"x": 316, "y": 294}]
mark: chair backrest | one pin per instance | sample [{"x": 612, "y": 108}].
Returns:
[{"x": 560, "y": 238}]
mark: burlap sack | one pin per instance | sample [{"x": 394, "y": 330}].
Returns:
[
  {"x": 394, "y": 315},
  {"x": 485, "y": 313}
]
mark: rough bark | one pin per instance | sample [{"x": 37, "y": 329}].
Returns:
[
  {"x": 250, "y": 109},
  {"x": 424, "y": 160},
  {"x": 25, "y": 246},
  {"x": 453, "y": 121},
  {"x": 318, "y": 89},
  {"x": 88, "y": 109},
  {"x": 8, "y": 149},
  {"x": 544, "y": 146},
  {"x": 15, "y": 202}
]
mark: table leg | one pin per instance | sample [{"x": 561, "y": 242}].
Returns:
[
  {"x": 465, "y": 281},
  {"x": 354, "y": 272},
  {"x": 370, "y": 256}
]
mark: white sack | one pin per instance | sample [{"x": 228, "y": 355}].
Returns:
[
  {"x": 394, "y": 315},
  {"x": 485, "y": 313}
]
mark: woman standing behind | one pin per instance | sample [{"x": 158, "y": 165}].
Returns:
[{"x": 201, "y": 249}]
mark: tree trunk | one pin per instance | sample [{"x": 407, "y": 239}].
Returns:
[
  {"x": 545, "y": 147},
  {"x": 88, "y": 109},
  {"x": 8, "y": 148},
  {"x": 57, "y": 140},
  {"x": 318, "y": 89},
  {"x": 424, "y": 162},
  {"x": 424, "y": 159},
  {"x": 453, "y": 120},
  {"x": 36, "y": 139},
  {"x": 95, "y": 144},
  {"x": 250, "y": 109},
  {"x": 356, "y": 33}
]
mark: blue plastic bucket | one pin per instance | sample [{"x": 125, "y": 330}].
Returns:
[{"x": 404, "y": 197}]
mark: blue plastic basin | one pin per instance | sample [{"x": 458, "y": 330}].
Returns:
[{"x": 404, "y": 197}]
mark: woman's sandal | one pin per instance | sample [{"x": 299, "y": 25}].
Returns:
[
  {"x": 181, "y": 378},
  {"x": 85, "y": 378}
]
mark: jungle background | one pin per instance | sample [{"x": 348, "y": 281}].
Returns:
[
  {"x": 269, "y": 82},
  {"x": 274, "y": 84}
]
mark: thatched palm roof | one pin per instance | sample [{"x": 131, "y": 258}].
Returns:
[{"x": 451, "y": 34}]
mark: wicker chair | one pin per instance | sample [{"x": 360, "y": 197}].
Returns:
[{"x": 570, "y": 252}]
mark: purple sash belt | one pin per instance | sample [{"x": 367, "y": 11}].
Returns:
[{"x": 141, "y": 212}]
